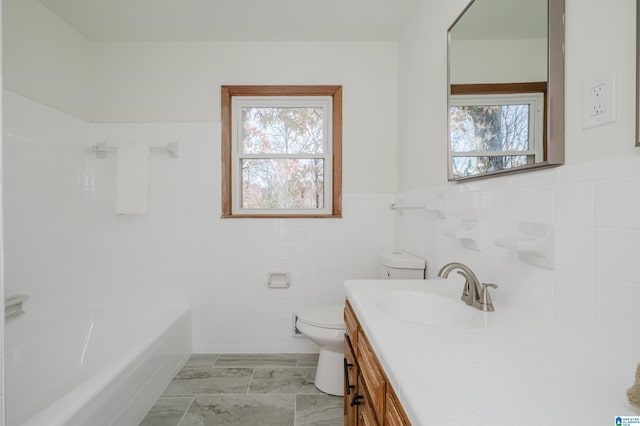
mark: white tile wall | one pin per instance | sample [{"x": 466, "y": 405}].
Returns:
[
  {"x": 594, "y": 287},
  {"x": 46, "y": 213},
  {"x": 68, "y": 250},
  {"x": 2, "y": 294},
  {"x": 182, "y": 251}
]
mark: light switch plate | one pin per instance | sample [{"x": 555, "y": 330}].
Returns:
[{"x": 599, "y": 101}]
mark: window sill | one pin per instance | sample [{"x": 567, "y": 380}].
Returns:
[{"x": 281, "y": 216}]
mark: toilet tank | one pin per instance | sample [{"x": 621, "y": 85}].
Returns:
[{"x": 399, "y": 265}]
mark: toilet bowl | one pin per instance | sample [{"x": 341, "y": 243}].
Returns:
[{"x": 324, "y": 325}]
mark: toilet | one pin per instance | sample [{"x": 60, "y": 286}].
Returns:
[{"x": 324, "y": 324}]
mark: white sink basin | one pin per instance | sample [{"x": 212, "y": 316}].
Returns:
[{"x": 433, "y": 310}]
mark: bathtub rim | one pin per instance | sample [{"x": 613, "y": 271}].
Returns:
[{"x": 69, "y": 405}]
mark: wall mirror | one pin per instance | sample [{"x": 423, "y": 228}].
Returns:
[{"x": 506, "y": 88}]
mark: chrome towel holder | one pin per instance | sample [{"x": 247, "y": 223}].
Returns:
[
  {"x": 13, "y": 305},
  {"x": 101, "y": 149}
]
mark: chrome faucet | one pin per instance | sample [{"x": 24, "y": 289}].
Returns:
[{"x": 474, "y": 293}]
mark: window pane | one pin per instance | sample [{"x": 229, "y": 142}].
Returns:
[
  {"x": 469, "y": 166},
  {"x": 282, "y": 130},
  {"x": 282, "y": 184},
  {"x": 489, "y": 128}
]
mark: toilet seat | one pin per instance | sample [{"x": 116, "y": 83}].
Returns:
[{"x": 324, "y": 316}]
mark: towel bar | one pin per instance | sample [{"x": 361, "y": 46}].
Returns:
[
  {"x": 101, "y": 149},
  {"x": 13, "y": 305},
  {"x": 398, "y": 207}
]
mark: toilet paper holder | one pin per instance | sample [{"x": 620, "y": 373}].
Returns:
[{"x": 279, "y": 280}]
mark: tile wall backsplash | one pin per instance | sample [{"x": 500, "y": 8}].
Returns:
[
  {"x": 47, "y": 213},
  {"x": 594, "y": 286},
  {"x": 2, "y": 355},
  {"x": 68, "y": 250}
]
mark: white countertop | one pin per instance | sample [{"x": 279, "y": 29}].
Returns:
[{"x": 514, "y": 373}]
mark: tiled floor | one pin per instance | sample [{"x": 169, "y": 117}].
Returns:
[{"x": 270, "y": 389}]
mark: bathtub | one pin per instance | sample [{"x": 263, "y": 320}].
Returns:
[{"x": 104, "y": 367}]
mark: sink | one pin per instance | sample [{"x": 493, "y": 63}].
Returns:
[{"x": 433, "y": 310}]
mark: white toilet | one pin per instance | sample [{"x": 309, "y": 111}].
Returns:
[{"x": 324, "y": 324}]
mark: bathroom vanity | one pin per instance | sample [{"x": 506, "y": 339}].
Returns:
[
  {"x": 416, "y": 354},
  {"x": 369, "y": 398}
]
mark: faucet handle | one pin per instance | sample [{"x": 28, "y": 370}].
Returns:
[{"x": 485, "y": 303}]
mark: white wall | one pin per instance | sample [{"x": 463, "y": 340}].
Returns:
[
  {"x": 68, "y": 250},
  {"x": 593, "y": 288},
  {"x": 2, "y": 293},
  {"x": 182, "y": 251},
  {"x": 45, "y": 59},
  {"x": 47, "y": 212},
  {"x": 511, "y": 61},
  {"x": 180, "y": 82},
  {"x": 422, "y": 95}
]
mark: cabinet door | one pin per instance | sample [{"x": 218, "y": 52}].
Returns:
[
  {"x": 366, "y": 415},
  {"x": 351, "y": 325},
  {"x": 350, "y": 385},
  {"x": 394, "y": 414},
  {"x": 372, "y": 375}
]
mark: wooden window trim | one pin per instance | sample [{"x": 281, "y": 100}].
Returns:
[
  {"x": 509, "y": 88},
  {"x": 228, "y": 92}
]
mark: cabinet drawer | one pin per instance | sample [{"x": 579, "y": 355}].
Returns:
[
  {"x": 351, "y": 325},
  {"x": 372, "y": 376},
  {"x": 394, "y": 414}
]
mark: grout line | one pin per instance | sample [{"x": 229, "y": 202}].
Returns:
[
  {"x": 250, "y": 380},
  {"x": 295, "y": 409},
  {"x": 215, "y": 361},
  {"x": 193, "y": 398}
]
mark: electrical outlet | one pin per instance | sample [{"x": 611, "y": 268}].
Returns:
[{"x": 598, "y": 101}]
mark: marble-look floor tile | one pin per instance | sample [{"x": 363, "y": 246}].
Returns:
[
  {"x": 203, "y": 380},
  {"x": 308, "y": 360},
  {"x": 263, "y": 410},
  {"x": 284, "y": 380},
  {"x": 257, "y": 360},
  {"x": 202, "y": 360},
  {"x": 167, "y": 411},
  {"x": 319, "y": 410}
]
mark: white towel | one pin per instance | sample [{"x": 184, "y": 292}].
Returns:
[{"x": 132, "y": 179}]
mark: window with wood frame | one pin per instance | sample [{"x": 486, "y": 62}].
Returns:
[
  {"x": 496, "y": 126},
  {"x": 281, "y": 151}
]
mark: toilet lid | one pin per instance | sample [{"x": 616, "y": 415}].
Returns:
[{"x": 325, "y": 316}]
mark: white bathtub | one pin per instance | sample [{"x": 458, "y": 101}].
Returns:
[{"x": 105, "y": 367}]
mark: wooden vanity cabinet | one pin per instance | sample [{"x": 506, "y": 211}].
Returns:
[{"x": 369, "y": 399}]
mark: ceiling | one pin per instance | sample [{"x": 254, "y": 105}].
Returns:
[{"x": 234, "y": 20}]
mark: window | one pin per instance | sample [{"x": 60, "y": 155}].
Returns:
[
  {"x": 496, "y": 131},
  {"x": 281, "y": 151}
]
